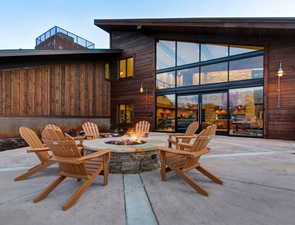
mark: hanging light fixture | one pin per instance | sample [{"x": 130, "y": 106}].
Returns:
[
  {"x": 280, "y": 73},
  {"x": 141, "y": 88}
]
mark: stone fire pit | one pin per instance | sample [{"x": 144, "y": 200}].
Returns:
[{"x": 128, "y": 158}]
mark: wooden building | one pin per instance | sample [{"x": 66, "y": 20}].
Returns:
[
  {"x": 65, "y": 87},
  {"x": 226, "y": 71},
  {"x": 214, "y": 70}
]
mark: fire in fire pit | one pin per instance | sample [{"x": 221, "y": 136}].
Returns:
[
  {"x": 125, "y": 142},
  {"x": 132, "y": 141}
]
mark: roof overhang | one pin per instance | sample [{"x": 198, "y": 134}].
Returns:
[
  {"x": 196, "y": 24},
  {"x": 33, "y": 52}
]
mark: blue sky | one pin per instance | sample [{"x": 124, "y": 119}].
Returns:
[{"x": 23, "y": 20}]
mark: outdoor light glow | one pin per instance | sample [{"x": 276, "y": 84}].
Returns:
[
  {"x": 141, "y": 88},
  {"x": 280, "y": 71}
]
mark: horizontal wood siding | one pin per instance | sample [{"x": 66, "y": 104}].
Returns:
[
  {"x": 76, "y": 89},
  {"x": 280, "y": 121},
  {"x": 141, "y": 47}
]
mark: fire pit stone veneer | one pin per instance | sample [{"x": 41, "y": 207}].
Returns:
[{"x": 128, "y": 158}]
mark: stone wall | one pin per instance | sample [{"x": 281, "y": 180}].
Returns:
[{"x": 9, "y": 125}]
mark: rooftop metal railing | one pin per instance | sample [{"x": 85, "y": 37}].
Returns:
[{"x": 57, "y": 30}]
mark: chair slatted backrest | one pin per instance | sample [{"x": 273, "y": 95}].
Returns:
[
  {"x": 33, "y": 141},
  {"x": 190, "y": 131},
  {"x": 90, "y": 129},
  {"x": 142, "y": 128},
  {"x": 56, "y": 136},
  {"x": 65, "y": 148},
  {"x": 204, "y": 138}
]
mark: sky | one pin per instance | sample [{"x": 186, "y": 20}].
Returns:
[{"x": 21, "y": 21}]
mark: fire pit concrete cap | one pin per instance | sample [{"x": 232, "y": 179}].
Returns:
[{"x": 151, "y": 144}]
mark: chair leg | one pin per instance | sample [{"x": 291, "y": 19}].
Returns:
[
  {"x": 191, "y": 182},
  {"x": 105, "y": 173},
  {"x": 75, "y": 197},
  {"x": 209, "y": 175},
  {"x": 50, "y": 188},
  {"x": 163, "y": 165},
  {"x": 163, "y": 173},
  {"x": 34, "y": 170}
]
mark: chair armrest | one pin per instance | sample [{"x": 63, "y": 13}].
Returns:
[
  {"x": 185, "y": 153},
  {"x": 185, "y": 145},
  {"x": 75, "y": 138},
  {"x": 183, "y": 136},
  {"x": 175, "y": 134},
  {"x": 94, "y": 155},
  {"x": 44, "y": 149},
  {"x": 170, "y": 150}
]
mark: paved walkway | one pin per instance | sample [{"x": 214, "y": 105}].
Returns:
[{"x": 259, "y": 189}]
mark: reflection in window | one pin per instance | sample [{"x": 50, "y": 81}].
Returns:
[
  {"x": 187, "y": 53},
  {"x": 209, "y": 51},
  {"x": 246, "y": 108},
  {"x": 107, "y": 71},
  {"x": 214, "y": 73},
  {"x": 187, "y": 77},
  {"x": 165, "y": 80},
  {"x": 122, "y": 68},
  {"x": 250, "y": 68},
  {"x": 240, "y": 49},
  {"x": 126, "y": 67},
  {"x": 214, "y": 111},
  {"x": 166, "y": 113},
  {"x": 130, "y": 66},
  {"x": 165, "y": 54},
  {"x": 187, "y": 110},
  {"x": 125, "y": 113}
]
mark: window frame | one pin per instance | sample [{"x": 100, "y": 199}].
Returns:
[
  {"x": 126, "y": 68},
  {"x": 119, "y": 111}
]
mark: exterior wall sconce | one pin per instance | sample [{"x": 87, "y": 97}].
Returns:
[
  {"x": 280, "y": 73},
  {"x": 141, "y": 88}
]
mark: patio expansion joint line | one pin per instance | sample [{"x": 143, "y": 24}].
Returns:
[
  {"x": 257, "y": 184},
  {"x": 124, "y": 198},
  {"x": 148, "y": 197},
  {"x": 137, "y": 204}
]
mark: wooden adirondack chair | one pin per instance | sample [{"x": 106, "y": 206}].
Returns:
[
  {"x": 183, "y": 138},
  {"x": 55, "y": 127},
  {"x": 73, "y": 164},
  {"x": 142, "y": 128},
  {"x": 37, "y": 147},
  {"x": 180, "y": 161},
  {"x": 91, "y": 130}
]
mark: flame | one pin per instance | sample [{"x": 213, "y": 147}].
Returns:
[{"x": 134, "y": 138}]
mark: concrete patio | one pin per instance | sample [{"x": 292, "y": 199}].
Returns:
[{"x": 259, "y": 189}]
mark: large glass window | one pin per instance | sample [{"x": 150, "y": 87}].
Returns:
[
  {"x": 246, "y": 108},
  {"x": 165, "y": 54},
  {"x": 210, "y": 51},
  {"x": 214, "y": 73},
  {"x": 187, "y": 52},
  {"x": 187, "y": 77},
  {"x": 125, "y": 113},
  {"x": 166, "y": 113},
  {"x": 249, "y": 68},
  {"x": 240, "y": 49},
  {"x": 187, "y": 110},
  {"x": 165, "y": 80},
  {"x": 189, "y": 68}
]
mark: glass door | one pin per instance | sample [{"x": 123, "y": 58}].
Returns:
[
  {"x": 214, "y": 110},
  {"x": 187, "y": 111}
]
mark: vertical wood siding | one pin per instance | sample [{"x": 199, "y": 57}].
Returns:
[{"x": 77, "y": 89}]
